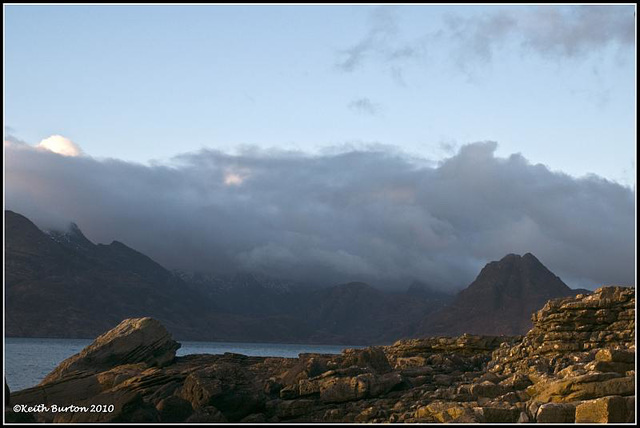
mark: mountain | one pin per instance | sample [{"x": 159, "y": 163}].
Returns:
[
  {"x": 500, "y": 301},
  {"x": 359, "y": 313},
  {"x": 420, "y": 290},
  {"x": 60, "y": 284},
  {"x": 352, "y": 313}
]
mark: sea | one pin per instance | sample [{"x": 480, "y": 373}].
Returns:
[{"x": 27, "y": 360}]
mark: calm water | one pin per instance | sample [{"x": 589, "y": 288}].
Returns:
[{"x": 28, "y": 361}]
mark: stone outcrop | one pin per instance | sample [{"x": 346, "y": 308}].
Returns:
[
  {"x": 580, "y": 348},
  {"x": 138, "y": 340},
  {"x": 611, "y": 409},
  {"x": 577, "y": 364}
]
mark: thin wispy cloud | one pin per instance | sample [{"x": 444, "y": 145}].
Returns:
[
  {"x": 380, "y": 43},
  {"x": 364, "y": 106},
  {"x": 551, "y": 32},
  {"x": 374, "y": 215}
]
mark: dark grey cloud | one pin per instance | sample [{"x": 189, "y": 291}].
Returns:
[
  {"x": 364, "y": 105},
  {"x": 376, "y": 215}
]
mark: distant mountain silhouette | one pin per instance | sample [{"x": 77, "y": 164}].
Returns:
[
  {"x": 500, "y": 301},
  {"x": 357, "y": 311},
  {"x": 60, "y": 284}
]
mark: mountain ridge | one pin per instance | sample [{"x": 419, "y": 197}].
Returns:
[{"x": 60, "y": 284}]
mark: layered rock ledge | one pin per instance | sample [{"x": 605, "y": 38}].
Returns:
[{"x": 577, "y": 364}]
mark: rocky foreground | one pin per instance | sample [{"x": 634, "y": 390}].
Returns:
[{"x": 577, "y": 364}]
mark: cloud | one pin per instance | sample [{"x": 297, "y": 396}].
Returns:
[
  {"x": 549, "y": 31},
  {"x": 364, "y": 106},
  {"x": 60, "y": 145},
  {"x": 375, "y": 214},
  {"x": 556, "y": 32},
  {"x": 379, "y": 43}
]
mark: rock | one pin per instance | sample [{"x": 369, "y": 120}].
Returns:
[
  {"x": 410, "y": 362},
  {"x": 201, "y": 388},
  {"x": 602, "y": 410},
  {"x": 585, "y": 387},
  {"x": 487, "y": 389},
  {"x": 292, "y": 391},
  {"x": 341, "y": 389},
  {"x": 517, "y": 382},
  {"x": 442, "y": 380},
  {"x": 307, "y": 387},
  {"x": 609, "y": 366},
  {"x": 292, "y": 409},
  {"x": 567, "y": 330},
  {"x": 489, "y": 376},
  {"x": 631, "y": 409},
  {"x": 380, "y": 385},
  {"x": 523, "y": 418},
  {"x": 133, "y": 341},
  {"x": 511, "y": 398},
  {"x": 254, "y": 418},
  {"x": 500, "y": 415},
  {"x": 272, "y": 387},
  {"x": 444, "y": 412},
  {"x": 207, "y": 414},
  {"x": 556, "y": 413},
  {"x": 367, "y": 414},
  {"x": 616, "y": 356},
  {"x": 174, "y": 409},
  {"x": 227, "y": 385},
  {"x": 373, "y": 358}
]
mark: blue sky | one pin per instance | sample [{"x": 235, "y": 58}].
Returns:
[{"x": 143, "y": 83}]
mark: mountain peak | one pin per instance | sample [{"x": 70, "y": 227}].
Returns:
[
  {"x": 501, "y": 299},
  {"x": 72, "y": 236},
  {"x": 517, "y": 258}
]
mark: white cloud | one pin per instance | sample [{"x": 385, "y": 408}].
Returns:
[{"x": 60, "y": 145}]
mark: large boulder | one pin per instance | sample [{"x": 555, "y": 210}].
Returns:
[
  {"x": 556, "y": 413},
  {"x": 134, "y": 340},
  {"x": 373, "y": 358},
  {"x": 583, "y": 387},
  {"x": 227, "y": 385},
  {"x": 174, "y": 409},
  {"x": 602, "y": 410}
]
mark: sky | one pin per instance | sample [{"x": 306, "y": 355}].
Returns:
[{"x": 330, "y": 141}]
